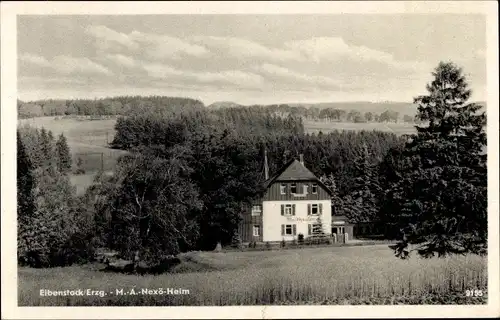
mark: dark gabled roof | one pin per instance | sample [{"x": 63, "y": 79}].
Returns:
[{"x": 294, "y": 170}]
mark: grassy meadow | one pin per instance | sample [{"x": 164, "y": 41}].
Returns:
[
  {"x": 87, "y": 139},
  {"x": 327, "y": 275}
]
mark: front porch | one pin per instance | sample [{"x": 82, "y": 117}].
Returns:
[{"x": 342, "y": 230}]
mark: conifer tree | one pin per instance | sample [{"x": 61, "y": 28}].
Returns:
[
  {"x": 337, "y": 202},
  {"x": 440, "y": 200},
  {"x": 361, "y": 203},
  {"x": 25, "y": 181},
  {"x": 63, "y": 155},
  {"x": 45, "y": 148}
]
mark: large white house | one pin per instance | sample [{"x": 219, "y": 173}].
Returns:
[{"x": 295, "y": 202}]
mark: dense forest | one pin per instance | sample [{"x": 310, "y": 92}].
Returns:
[{"x": 190, "y": 172}]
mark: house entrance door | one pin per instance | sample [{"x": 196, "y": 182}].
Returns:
[{"x": 339, "y": 232}]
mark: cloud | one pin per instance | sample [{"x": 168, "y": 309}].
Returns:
[
  {"x": 153, "y": 46},
  {"x": 320, "y": 49},
  {"x": 109, "y": 36},
  {"x": 66, "y": 64},
  {"x": 163, "y": 46},
  {"x": 235, "y": 77},
  {"x": 72, "y": 65},
  {"x": 297, "y": 78},
  {"x": 157, "y": 70},
  {"x": 122, "y": 60},
  {"x": 317, "y": 50},
  {"x": 34, "y": 60},
  {"x": 228, "y": 77},
  {"x": 243, "y": 48}
]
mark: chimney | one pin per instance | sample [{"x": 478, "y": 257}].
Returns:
[
  {"x": 266, "y": 166},
  {"x": 301, "y": 157}
]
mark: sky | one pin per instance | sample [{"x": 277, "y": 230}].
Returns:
[{"x": 247, "y": 59}]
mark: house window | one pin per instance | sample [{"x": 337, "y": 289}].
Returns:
[
  {"x": 305, "y": 188},
  {"x": 315, "y": 209},
  {"x": 283, "y": 188},
  {"x": 256, "y": 210},
  {"x": 314, "y": 188},
  {"x": 293, "y": 188},
  {"x": 288, "y": 229},
  {"x": 287, "y": 209},
  {"x": 256, "y": 230}
]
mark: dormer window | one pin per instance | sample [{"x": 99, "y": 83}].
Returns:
[
  {"x": 293, "y": 188},
  {"x": 283, "y": 188},
  {"x": 314, "y": 188}
]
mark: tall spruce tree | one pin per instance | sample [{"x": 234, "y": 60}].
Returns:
[
  {"x": 337, "y": 201},
  {"x": 63, "y": 155},
  {"x": 440, "y": 201},
  {"x": 361, "y": 202}
]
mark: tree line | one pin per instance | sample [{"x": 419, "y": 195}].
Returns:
[
  {"x": 123, "y": 105},
  {"x": 190, "y": 174},
  {"x": 126, "y": 105}
]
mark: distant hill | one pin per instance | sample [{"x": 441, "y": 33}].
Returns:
[
  {"x": 224, "y": 104},
  {"x": 365, "y": 106}
]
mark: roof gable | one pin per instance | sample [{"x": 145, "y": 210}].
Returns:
[{"x": 294, "y": 171}]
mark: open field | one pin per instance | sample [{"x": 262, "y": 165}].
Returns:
[
  {"x": 88, "y": 140},
  {"x": 397, "y": 128},
  {"x": 328, "y": 275}
]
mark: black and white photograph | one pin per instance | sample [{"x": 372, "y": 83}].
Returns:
[{"x": 259, "y": 159}]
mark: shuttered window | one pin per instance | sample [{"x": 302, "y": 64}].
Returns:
[
  {"x": 287, "y": 209},
  {"x": 288, "y": 229}
]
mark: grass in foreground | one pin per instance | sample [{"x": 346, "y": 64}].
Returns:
[{"x": 349, "y": 275}]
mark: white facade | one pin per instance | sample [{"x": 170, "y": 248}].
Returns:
[{"x": 272, "y": 220}]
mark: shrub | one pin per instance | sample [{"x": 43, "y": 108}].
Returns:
[{"x": 301, "y": 238}]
